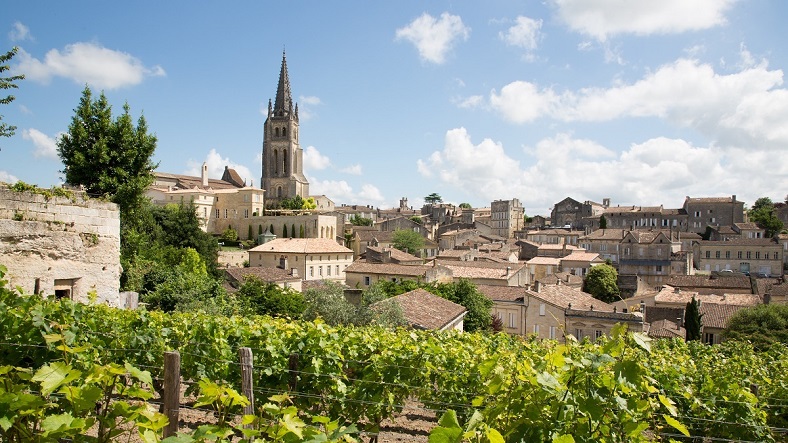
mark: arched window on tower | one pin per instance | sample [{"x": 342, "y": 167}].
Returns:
[
  {"x": 276, "y": 132},
  {"x": 276, "y": 161},
  {"x": 284, "y": 132},
  {"x": 284, "y": 161},
  {"x": 279, "y": 192}
]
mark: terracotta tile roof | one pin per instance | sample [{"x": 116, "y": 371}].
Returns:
[
  {"x": 689, "y": 236},
  {"x": 396, "y": 254},
  {"x": 668, "y": 295},
  {"x": 302, "y": 246},
  {"x": 656, "y": 313},
  {"x": 563, "y": 278},
  {"x": 607, "y": 315},
  {"x": 709, "y": 200},
  {"x": 645, "y": 237},
  {"x": 741, "y": 242},
  {"x": 747, "y": 226},
  {"x": 666, "y": 329},
  {"x": 502, "y": 293},
  {"x": 605, "y": 234},
  {"x": 482, "y": 270},
  {"x": 387, "y": 269},
  {"x": 380, "y": 236},
  {"x": 774, "y": 286},
  {"x": 565, "y": 296},
  {"x": 557, "y": 247},
  {"x": 189, "y": 181},
  {"x": 717, "y": 315},
  {"x": 741, "y": 282},
  {"x": 679, "y": 211},
  {"x": 266, "y": 274},
  {"x": 424, "y": 310},
  {"x": 581, "y": 256},
  {"x": 544, "y": 261}
]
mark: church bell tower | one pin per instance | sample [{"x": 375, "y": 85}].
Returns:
[{"x": 283, "y": 159}]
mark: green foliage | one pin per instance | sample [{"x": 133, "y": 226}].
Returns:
[
  {"x": 601, "y": 283},
  {"x": 602, "y": 222},
  {"x": 296, "y": 203},
  {"x": 465, "y": 205},
  {"x": 357, "y": 220},
  {"x": 269, "y": 299},
  {"x": 764, "y": 215},
  {"x": 416, "y": 219},
  {"x": 250, "y": 234},
  {"x": 7, "y": 130},
  {"x": 764, "y": 326},
  {"x": 433, "y": 198},
  {"x": 301, "y": 231},
  {"x": 692, "y": 320},
  {"x": 329, "y": 304},
  {"x": 21, "y": 186},
  {"x": 284, "y": 231},
  {"x": 622, "y": 388},
  {"x": 184, "y": 291},
  {"x": 229, "y": 235},
  {"x": 109, "y": 158},
  {"x": 409, "y": 241},
  {"x": 309, "y": 203}
]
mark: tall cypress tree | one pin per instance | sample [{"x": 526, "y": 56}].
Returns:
[{"x": 692, "y": 320}]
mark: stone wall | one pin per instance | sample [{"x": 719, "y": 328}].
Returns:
[{"x": 61, "y": 246}]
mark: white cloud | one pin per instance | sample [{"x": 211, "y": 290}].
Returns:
[
  {"x": 216, "y": 165},
  {"x": 471, "y": 102},
  {"x": 6, "y": 177},
  {"x": 748, "y": 107},
  {"x": 601, "y": 19},
  {"x": 433, "y": 37},
  {"x": 310, "y": 100},
  {"x": 46, "y": 146},
  {"x": 525, "y": 34},
  {"x": 656, "y": 171},
  {"x": 88, "y": 63},
  {"x": 313, "y": 159},
  {"x": 19, "y": 33},
  {"x": 341, "y": 192},
  {"x": 352, "y": 169}
]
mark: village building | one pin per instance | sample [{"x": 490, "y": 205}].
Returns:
[
  {"x": 572, "y": 214},
  {"x": 310, "y": 258},
  {"x": 712, "y": 211},
  {"x": 284, "y": 278},
  {"x": 362, "y": 274},
  {"x": 762, "y": 256},
  {"x": 423, "y": 310},
  {"x": 506, "y": 217},
  {"x": 605, "y": 242}
]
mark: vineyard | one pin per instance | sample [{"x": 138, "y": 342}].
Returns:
[{"x": 74, "y": 372}]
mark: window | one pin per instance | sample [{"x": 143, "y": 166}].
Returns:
[
  {"x": 749, "y": 254},
  {"x": 541, "y": 309},
  {"x": 738, "y": 254},
  {"x": 328, "y": 270},
  {"x": 246, "y": 213},
  {"x": 727, "y": 254},
  {"x": 366, "y": 281},
  {"x": 578, "y": 334},
  {"x": 717, "y": 254},
  {"x": 320, "y": 271},
  {"x": 659, "y": 269},
  {"x": 552, "y": 332},
  {"x": 775, "y": 256},
  {"x": 205, "y": 212},
  {"x": 225, "y": 213},
  {"x": 708, "y": 338},
  {"x": 757, "y": 255},
  {"x": 512, "y": 324},
  {"x": 536, "y": 329},
  {"x": 598, "y": 333},
  {"x": 337, "y": 269},
  {"x": 708, "y": 254},
  {"x": 311, "y": 271}
]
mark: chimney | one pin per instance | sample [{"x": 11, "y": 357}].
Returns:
[
  {"x": 508, "y": 270},
  {"x": 537, "y": 286},
  {"x": 204, "y": 175}
]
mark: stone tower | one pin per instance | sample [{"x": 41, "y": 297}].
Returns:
[{"x": 283, "y": 159}]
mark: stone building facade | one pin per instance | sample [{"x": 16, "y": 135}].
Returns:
[
  {"x": 60, "y": 246},
  {"x": 506, "y": 217},
  {"x": 712, "y": 211}
]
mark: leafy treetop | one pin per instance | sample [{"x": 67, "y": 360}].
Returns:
[
  {"x": 7, "y": 130},
  {"x": 433, "y": 198}
]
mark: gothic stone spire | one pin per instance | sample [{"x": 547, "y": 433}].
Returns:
[{"x": 284, "y": 100}]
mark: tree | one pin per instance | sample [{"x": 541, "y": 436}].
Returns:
[
  {"x": 464, "y": 292},
  {"x": 416, "y": 219},
  {"x": 602, "y": 222},
  {"x": 328, "y": 303},
  {"x": 229, "y": 235},
  {"x": 465, "y": 205},
  {"x": 284, "y": 231},
  {"x": 264, "y": 298},
  {"x": 692, "y": 320},
  {"x": 762, "y": 325},
  {"x": 250, "y": 234},
  {"x": 109, "y": 158},
  {"x": 7, "y": 130},
  {"x": 764, "y": 215},
  {"x": 433, "y": 198},
  {"x": 357, "y": 220},
  {"x": 601, "y": 282},
  {"x": 409, "y": 241}
]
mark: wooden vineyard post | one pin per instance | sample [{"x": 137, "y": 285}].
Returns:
[
  {"x": 247, "y": 387},
  {"x": 172, "y": 391}
]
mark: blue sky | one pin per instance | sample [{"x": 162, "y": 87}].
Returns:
[{"x": 641, "y": 102}]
